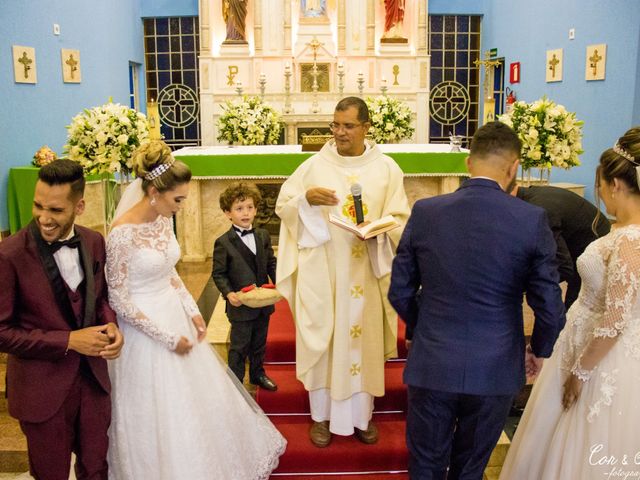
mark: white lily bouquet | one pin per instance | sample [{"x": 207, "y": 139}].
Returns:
[
  {"x": 103, "y": 138},
  {"x": 551, "y": 136},
  {"x": 390, "y": 119},
  {"x": 249, "y": 121}
]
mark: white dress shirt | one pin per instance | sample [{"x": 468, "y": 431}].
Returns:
[
  {"x": 249, "y": 240},
  {"x": 68, "y": 261}
]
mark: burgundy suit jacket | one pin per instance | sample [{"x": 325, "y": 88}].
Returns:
[{"x": 35, "y": 325}]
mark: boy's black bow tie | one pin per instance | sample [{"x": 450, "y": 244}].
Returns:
[{"x": 243, "y": 232}]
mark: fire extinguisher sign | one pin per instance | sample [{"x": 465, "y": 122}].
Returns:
[{"x": 514, "y": 72}]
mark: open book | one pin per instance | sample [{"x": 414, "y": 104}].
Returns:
[{"x": 371, "y": 230}]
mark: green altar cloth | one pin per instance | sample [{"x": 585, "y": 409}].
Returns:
[
  {"x": 283, "y": 164},
  {"x": 22, "y": 180}
]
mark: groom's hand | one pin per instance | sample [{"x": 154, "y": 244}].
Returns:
[
  {"x": 532, "y": 364},
  {"x": 112, "y": 351},
  {"x": 89, "y": 341}
]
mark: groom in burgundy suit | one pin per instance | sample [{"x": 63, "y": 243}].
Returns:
[{"x": 59, "y": 330}]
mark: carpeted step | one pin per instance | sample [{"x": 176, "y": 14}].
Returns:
[
  {"x": 344, "y": 476},
  {"x": 291, "y": 396},
  {"x": 13, "y": 446},
  {"x": 344, "y": 454},
  {"x": 282, "y": 334}
]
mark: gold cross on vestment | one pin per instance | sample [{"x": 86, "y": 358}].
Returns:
[
  {"x": 72, "y": 62},
  {"x": 355, "y": 331},
  {"x": 356, "y": 291},
  {"x": 355, "y": 369},
  {"x": 594, "y": 59},
  {"x": 25, "y": 61},
  {"x": 357, "y": 251},
  {"x": 552, "y": 65}
]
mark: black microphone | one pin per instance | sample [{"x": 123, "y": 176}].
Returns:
[{"x": 356, "y": 192}]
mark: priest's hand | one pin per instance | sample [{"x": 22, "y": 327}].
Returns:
[
  {"x": 321, "y": 196},
  {"x": 89, "y": 341},
  {"x": 112, "y": 351},
  {"x": 201, "y": 327}
]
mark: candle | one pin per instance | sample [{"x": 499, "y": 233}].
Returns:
[
  {"x": 238, "y": 84},
  {"x": 340, "y": 67},
  {"x": 360, "y": 75},
  {"x": 383, "y": 82},
  {"x": 262, "y": 76}
]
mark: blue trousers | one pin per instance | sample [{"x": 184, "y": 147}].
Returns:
[{"x": 451, "y": 435}]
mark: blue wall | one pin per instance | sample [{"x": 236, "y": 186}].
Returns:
[
  {"x": 108, "y": 35},
  {"x": 169, "y": 8},
  {"x": 523, "y": 31}
]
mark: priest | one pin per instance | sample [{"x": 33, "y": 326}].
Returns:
[{"x": 335, "y": 283}]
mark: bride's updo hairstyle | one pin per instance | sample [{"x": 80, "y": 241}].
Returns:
[
  {"x": 622, "y": 161},
  {"x": 155, "y": 165}
]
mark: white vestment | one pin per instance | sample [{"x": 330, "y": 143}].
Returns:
[{"x": 345, "y": 326}]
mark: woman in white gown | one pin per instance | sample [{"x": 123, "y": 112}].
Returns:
[
  {"x": 582, "y": 420},
  {"x": 177, "y": 413}
]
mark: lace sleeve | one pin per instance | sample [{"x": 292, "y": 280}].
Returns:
[
  {"x": 623, "y": 281},
  {"x": 119, "y": 245},
  {"x": 187, "y": 300}
]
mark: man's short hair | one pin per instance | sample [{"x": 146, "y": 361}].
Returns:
[
  {"x": 238, "y": 192},
  {"x": 348, "y": 102},
  {"x": 495, "y": 138},
  {"x": 62, "y": 172}
]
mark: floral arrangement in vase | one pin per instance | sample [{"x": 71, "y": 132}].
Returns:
[
  {"x": 551, "y": 136},
  {"x": 43, "y": 156},
  {"x": 249, "y": 121},
  {"x": 390, "y": 119},
  {"x": 103, "y": 138}
]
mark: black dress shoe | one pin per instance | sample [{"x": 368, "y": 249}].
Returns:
[{"x": 266, "y": 383}]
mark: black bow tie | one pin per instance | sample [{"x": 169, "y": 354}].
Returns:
[
  {"x": 243, "y": 232},
  {"x": 73, "y": 242}
]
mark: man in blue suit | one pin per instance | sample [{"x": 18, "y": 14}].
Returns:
[{"x": 461, "y": 268}]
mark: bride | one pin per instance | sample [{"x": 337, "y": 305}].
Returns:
[
  {"x": 582, "y": 418},
  {"x": 177, "y": 413}
]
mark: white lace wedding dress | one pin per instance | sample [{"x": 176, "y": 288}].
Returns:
[
  {"x": 175, "y": 417},
  {"x": 599, "y": 436}
]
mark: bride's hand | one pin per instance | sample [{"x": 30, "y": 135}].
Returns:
[
  {"x": 201, "y": 327},
  {"x": 571, "y": 391},
  {"x": 184, "y": 346}
]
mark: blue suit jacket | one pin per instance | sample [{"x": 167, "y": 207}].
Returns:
[{"x": 463, "y": 263}]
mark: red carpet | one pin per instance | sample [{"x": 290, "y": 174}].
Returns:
[{"x": 346, "y": 457}]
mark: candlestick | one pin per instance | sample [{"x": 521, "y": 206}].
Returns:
[
  {"x": 360, "y": 82},
  {"x": 383, "y": 86},
  {"x": 262, "y": 81},
  {"x": 239, "y": 88}
]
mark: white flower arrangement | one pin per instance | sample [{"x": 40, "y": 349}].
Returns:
[
  {"x": 551, "y": 136},
  {"x": 249, "y": 121},
  {"x": 103, "y": 138},
  {"x": 390, "y": 119}
]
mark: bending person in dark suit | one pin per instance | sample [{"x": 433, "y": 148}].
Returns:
[
  {"x": 571, "y": 220},
  {"x": 471, "y": 254},
  {"x": 241, "y": 257},
  {"x": 58, "y": 329}
]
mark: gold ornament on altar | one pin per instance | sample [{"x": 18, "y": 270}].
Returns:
[{"x": 44, "y": 156}]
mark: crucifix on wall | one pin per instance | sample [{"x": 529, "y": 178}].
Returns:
[
  {"x": 595, "y": 62},
  {"x": 554, "y": 65},
  {"x": 70, "y": 66},
  {"x": 24, "y": 64}
]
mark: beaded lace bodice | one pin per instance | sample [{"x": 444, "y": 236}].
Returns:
[
  {"x": 608, "y": 305},
  {"x": 141, "y": 261}
]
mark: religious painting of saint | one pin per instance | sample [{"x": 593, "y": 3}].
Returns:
[{"x": 310, "y": 9}]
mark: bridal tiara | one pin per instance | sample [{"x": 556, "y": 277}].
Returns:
[
  {"x": 159, "y": 170},
  {"x": 623, "y": 153}
]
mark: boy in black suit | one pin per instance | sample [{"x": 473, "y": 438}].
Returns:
[{"x": 243, "y": 256}]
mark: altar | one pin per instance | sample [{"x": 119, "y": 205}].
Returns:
[{"x": 428, "y": 170}]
